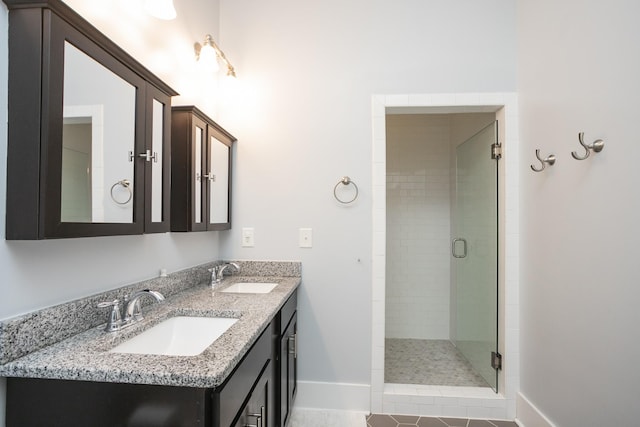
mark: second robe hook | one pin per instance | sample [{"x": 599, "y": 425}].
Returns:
[{"x": 597, "y": 147}]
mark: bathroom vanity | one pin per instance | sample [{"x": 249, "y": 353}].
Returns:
[{"x": 245, "y": 377}]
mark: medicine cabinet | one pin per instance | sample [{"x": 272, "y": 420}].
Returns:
[
  {"x": 89, "y": 131},
  {"x": 200, "y": 172}
]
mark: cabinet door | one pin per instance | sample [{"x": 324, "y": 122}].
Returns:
[
  {"x": 197, "y": 176},
  {"x": 288, "y": 369},
  {"x": 157, "y": 162},
  {"x": 201, "y": 171},
  {"x": 257, "y": 411},
  {"x": 94, "y": 180},
  {"x": 218, "y": 162}
]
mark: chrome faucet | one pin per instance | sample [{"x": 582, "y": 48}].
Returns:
[
  {"x": 217, "y": 272},
  {"x": 132, "y": 311}
]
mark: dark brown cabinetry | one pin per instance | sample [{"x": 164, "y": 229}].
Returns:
[
  {"x": 88, "y": 140},
  {"x": 242, "y": 393},
  {"x": 258, "y": 409},
  {"x": 201, "y": 172},
  {"x": 288, "y": 363}
]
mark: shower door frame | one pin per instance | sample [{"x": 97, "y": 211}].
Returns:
[{"x": 389, "y": 399}]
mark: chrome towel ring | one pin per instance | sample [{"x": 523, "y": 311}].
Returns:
[
  {"x": 345, "y": 181},
  {"x": 126, "y": 184}
]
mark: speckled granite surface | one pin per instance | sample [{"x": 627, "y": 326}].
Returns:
[
  {"x": 85, "y": 356},
  {"x": 24, "y": 334}
]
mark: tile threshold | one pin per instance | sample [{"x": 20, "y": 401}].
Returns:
[{"x": 445, "y": 391}]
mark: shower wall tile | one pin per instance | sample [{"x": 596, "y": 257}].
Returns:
[{"x": 418, "y": 227}]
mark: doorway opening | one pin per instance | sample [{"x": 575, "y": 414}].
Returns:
[
  {"x": 441, "y": 323},
  {"x": 418, "y": 399}
]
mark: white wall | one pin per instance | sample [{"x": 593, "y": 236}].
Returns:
[
  {"x": 43, "y": 273},
  {"x": 306, "y": 73},
  {"x": 578, "y": 71}
]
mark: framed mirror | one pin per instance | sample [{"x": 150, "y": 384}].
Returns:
[{"x": 99, "y": 111}]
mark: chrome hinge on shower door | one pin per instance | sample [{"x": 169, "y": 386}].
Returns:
[
  {"x": 496, "y": 151},
  {"x": 496, "y": 360}
]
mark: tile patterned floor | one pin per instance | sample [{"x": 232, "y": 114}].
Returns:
[
  {"x": 377, "y": 420},
  {"x": 304, "y": 417},
  {"x": 428, "y": 362}
]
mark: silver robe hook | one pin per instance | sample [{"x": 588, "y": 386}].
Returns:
[
  {"x": 549, "y": 160},
  {"x": 597, "y": 147}
]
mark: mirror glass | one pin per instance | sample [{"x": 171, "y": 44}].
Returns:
[
  {"x": 219, "y": 189},
  {"x": 98, "y": 134},
  {"x": 197, "y": 170},
  {"x": 156, "y": 166}
]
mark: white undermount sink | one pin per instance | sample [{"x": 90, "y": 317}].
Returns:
[
  {"x": 250, "y": 288},
  {"x": 177, "y": 336}
]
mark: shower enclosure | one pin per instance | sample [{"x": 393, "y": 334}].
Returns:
[{"x": 442, "y": 249}]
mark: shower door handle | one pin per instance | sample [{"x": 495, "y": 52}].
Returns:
[{"x": 464, "y": 247}]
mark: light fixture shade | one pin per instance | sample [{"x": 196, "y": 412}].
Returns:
[
  {"x": 161, "y": 9},
  {"x": 208, "y": 58}
]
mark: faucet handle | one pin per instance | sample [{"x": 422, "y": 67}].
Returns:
[
  {"x": 115, "y": 317},
  {"x": 133, "y": 309}
]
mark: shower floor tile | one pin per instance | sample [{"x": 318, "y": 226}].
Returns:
[{"x": 429, "y": 362}]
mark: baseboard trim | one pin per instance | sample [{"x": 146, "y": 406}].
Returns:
[
  {"x": 336, "y": 396},
  {"x": 527, "y": 415}
]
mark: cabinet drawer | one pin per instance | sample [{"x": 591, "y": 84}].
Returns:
[
  {"x": 229, "y": 399},
  {"x": 287, "y": 311}
]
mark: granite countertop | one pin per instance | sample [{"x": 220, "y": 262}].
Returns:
[{"x": 86, "y": 356}]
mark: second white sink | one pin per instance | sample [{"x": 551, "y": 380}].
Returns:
[
  {"x": 250, "y": 288},
  {"x": 177, "y": 336}
]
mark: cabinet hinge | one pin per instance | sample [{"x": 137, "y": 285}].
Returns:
[
  {"x": 496, "y": 360},
  {"x": 496, "y": 151}
]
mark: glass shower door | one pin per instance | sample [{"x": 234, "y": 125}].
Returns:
[{"x": 475, "y": 252}]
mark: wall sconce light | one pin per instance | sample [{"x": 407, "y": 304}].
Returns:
[
  {"x": 161, "y": 9},
  {"x": 208, "y": 53}
]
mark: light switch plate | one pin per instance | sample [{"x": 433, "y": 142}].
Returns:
[
  {"x": 306, "y": 237},
  {"x": 247, "y": 238}
]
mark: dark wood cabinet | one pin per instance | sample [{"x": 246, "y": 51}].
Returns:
[
  {"x": 288, "y": 359},
  {"x": 88, "y": 131},
  {"x": 231, "y": 399},
  {"x": 200, "y": 173},
  {"x": 65, "y": 403},
  {"x": 259, "y": 407}
]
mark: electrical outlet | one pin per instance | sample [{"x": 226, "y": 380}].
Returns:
[
  {"x": 247, "y": 238},
  {"x": 306, "y": 238}
]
